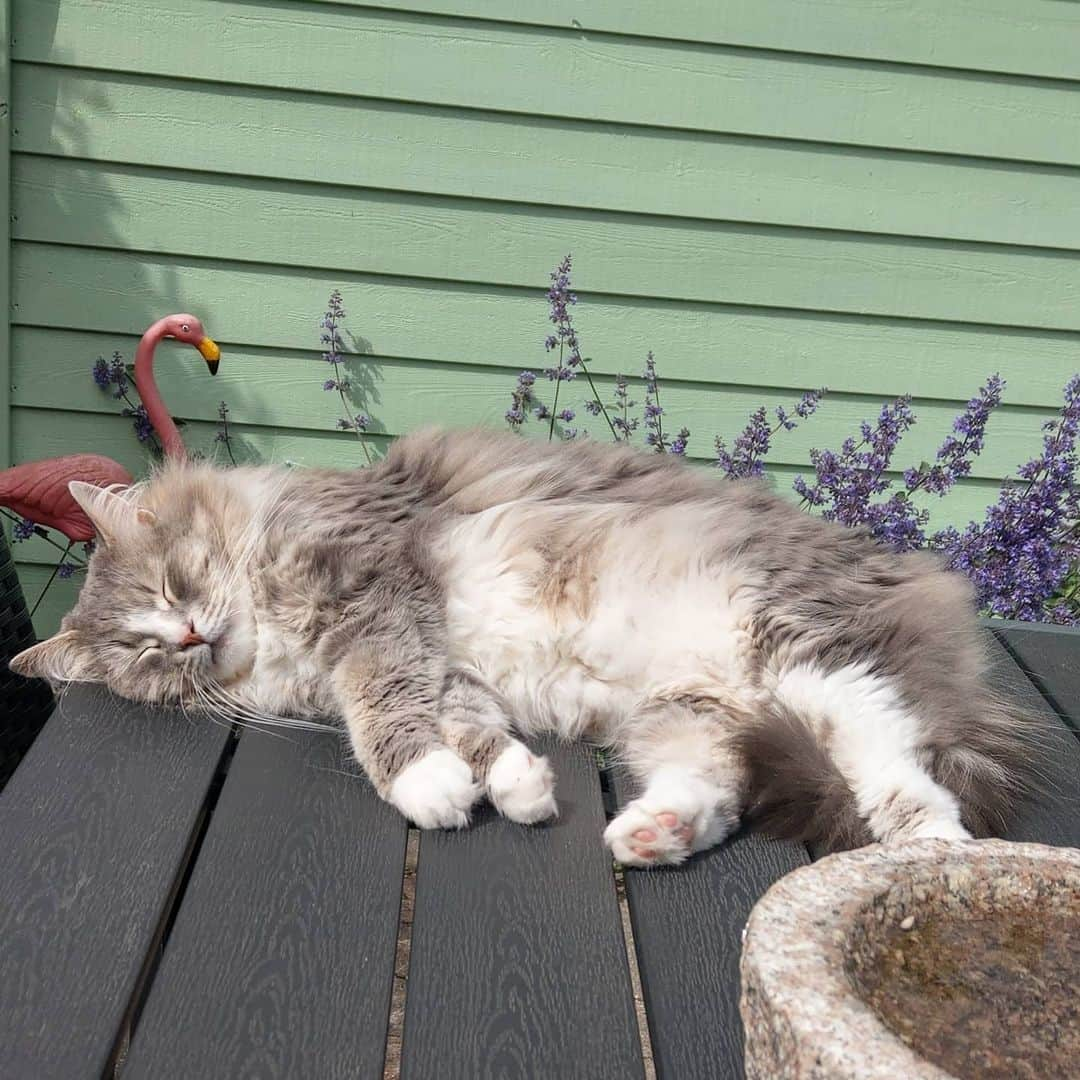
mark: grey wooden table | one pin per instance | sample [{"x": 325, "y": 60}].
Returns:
[{"x": 180, "y": 900}]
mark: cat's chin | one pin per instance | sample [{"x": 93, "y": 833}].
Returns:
[{"x": 233, "y": 658}]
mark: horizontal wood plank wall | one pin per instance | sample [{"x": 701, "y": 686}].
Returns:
[{"x": 771, "y": 196}]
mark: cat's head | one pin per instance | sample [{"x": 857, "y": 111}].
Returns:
[{"x": 165, "y": 614}]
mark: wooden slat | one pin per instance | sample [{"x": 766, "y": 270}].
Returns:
[
  {"x": 518, "y": 963},
  {"x": 5, "y": 236},
  {"x": 95, "y": 828},
  {"x": 688, "y": 925},
  {"x": 285, "y": 224},
  {"x": 111, "y": 434},
  {"x": 574, "y": 163},
  {"x": 120, "y": 293},
  {"x": 1025, "y": 37},
  {"x": 403, "y": 395},
  {"x": 1053, "y": 818},
  {"x": 1052, "y": 662},
  {"x": 995, "y": 624},
  {"x": 558, "y": 73},
  {"x": 280, "y": 963}
]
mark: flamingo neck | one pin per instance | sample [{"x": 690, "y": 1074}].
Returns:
[{"x": 148, "y": 392}]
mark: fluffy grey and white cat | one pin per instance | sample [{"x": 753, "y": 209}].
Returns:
[{"x": 743, "y": 659}]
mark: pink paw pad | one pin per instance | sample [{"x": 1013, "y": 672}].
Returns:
[{"x": 668, "y": 822}]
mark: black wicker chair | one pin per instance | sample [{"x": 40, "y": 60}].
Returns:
[{"x": 25, "y": 704}]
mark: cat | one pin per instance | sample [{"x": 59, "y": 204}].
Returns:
[{"x": 744, "y": 661}]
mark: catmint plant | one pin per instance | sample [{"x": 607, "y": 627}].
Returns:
[
  {"x": 112, "y": 376},
  {"x": 1022, "y": 554},
  {"x": 561, "y": 298},
  {"x": 223, "y": 435},
  {"x": 23, "y": 528},
  {"x": 331, "y": 338}
]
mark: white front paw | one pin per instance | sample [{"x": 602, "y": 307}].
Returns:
[
  {"x": 522, "y": 786},
  {"x": 436, "y": 792}
]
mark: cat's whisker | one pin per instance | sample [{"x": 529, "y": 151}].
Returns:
[
  {"x": 241, "y": 708},
  {"x": 211, "y": 707},
  {"x": 238, "y": 707}
]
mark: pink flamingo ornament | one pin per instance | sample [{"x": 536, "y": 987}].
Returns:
[
  {"x": 185, "y": 328},
  {"x": 39, "y": 489}
]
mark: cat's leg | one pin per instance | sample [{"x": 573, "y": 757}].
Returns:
[
  {"x": 388, "y": 687},
  {"x": 873, "y": 739},
  {"x": 474, "y": 723},
  {"x": 693, "y": 785}
]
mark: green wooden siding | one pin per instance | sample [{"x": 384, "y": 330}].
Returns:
[{"x": 771, "y": 194}]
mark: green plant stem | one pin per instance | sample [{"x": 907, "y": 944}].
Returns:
[
  {"x": 596, "y": 396},
  {"x": 555, "y": 400},
  {"x": 345, "y": 405},
  {"x": 660, "y": 447},
  {"x": 40, "y": 532},
  {"x": 52, "y": 578},
  {"x": 225, "y": 437},
  {"x": 155, "y": 442}
]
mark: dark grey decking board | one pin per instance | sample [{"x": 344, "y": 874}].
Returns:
[
  {"x": 280, "y": 963},
  {"x": 1052, "y": 662},
  {"x": 1053, "y": 818},
  {"x": 687, "y": 925},
  {"x": 518, "y": 962},
  {"x": 95, "y": 827}
]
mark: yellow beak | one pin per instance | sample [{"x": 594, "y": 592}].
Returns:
[{"x": 210, "y": 353}]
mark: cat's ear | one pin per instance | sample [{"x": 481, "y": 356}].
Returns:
[
  {"x": 111, "y": 515},
  {"x": 65, "y": 657}
]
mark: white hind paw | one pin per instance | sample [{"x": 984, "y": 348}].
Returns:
[
  {"x": 677, "y": 815},
  {"x": 521, "y": 785},
  {"x": 638, "y": 837},
  {"x": 436, "y": 792}
]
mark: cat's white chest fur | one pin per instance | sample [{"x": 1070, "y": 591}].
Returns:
[
  {"x": 286, "y": 677},
  {"x": 576, "y": 620}
]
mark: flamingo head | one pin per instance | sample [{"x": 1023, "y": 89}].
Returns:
[{"x": 188, "y": 329}]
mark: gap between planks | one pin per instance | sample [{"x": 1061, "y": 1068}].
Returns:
[
  {"x": 396, "y": 1020},
  {"x": 115, "y": 1067}
]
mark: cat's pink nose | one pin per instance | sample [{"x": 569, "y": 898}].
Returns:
[{"x": 191, "y": 638}]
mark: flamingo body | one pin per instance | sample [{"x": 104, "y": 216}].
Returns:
[{"x": 39, "y": 490}]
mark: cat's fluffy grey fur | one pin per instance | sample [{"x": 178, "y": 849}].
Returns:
[{"x": 743, "y": 659}]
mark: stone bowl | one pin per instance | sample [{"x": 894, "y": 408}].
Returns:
[{"x": 929, "y": 959}]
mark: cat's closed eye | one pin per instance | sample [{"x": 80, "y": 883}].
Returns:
[
  {"x": 167, "y": 594},
  {"x": 149, "y": 648}
]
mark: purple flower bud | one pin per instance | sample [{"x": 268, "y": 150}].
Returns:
[{"x": 22, "y": 530}]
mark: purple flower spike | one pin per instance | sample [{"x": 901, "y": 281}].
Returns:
[
  {"x": 747, "y": 454},
  {"x": 22, "y": 530},
  {"x": 521, "y": 400},
  {"x": 1020, "y": 556},
  {"x": 846, "y": 482},
  {"x": 652, "y": 411},
  {"x": 140, "y": 421},
  {"x": 678, "y": 444},
  {"x": 565, "y": 339}
]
